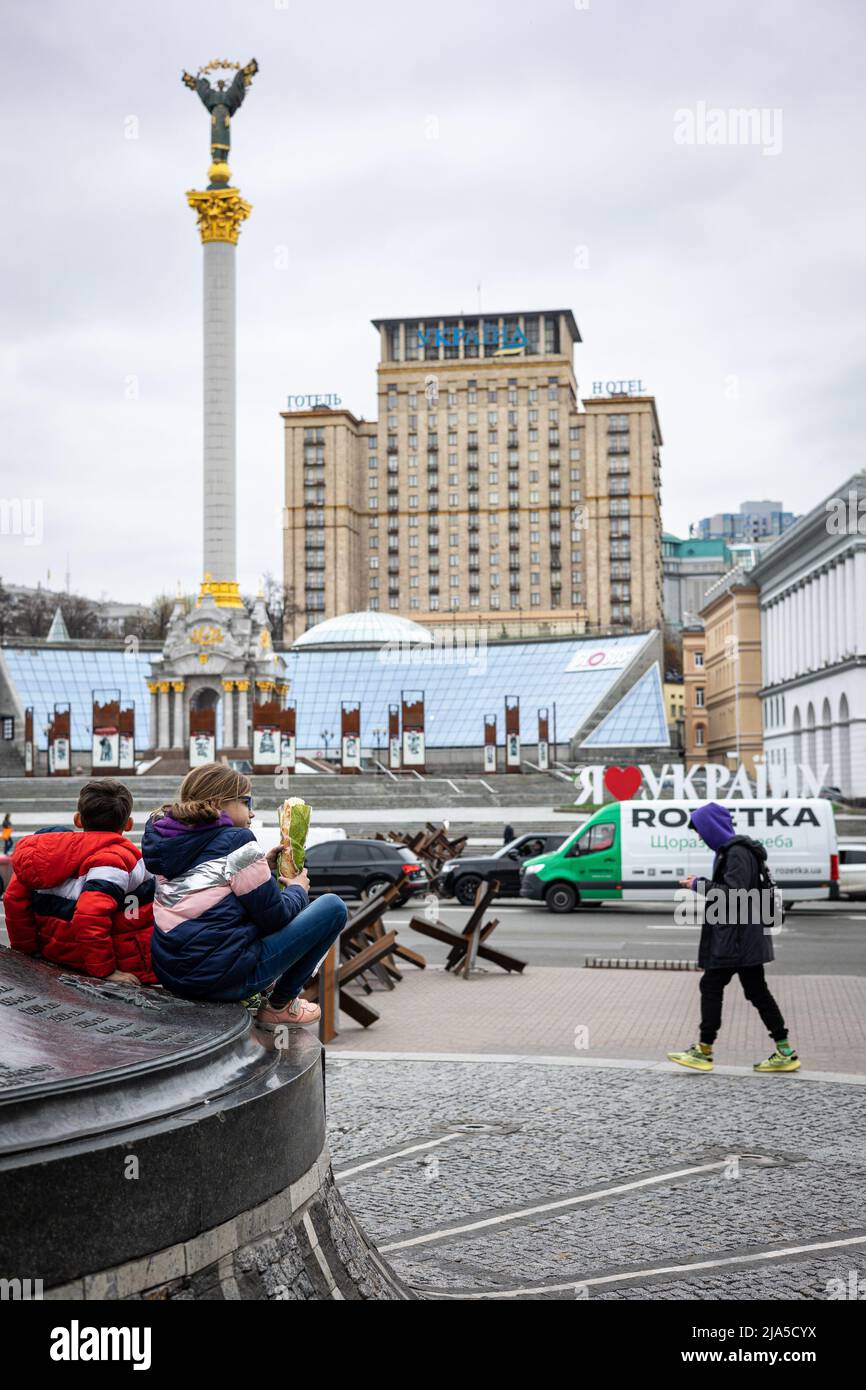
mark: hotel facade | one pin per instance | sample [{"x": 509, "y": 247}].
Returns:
[{"x": 486, "y": 493}]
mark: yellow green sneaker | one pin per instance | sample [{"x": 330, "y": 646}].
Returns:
[
  {"x": 699, "y": 1057},
  {"x": 779, "y": 1061}
]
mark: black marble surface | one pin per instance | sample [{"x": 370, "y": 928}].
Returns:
[{"x": 131, "y": 1120}]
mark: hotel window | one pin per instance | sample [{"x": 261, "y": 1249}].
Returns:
[
  {"x": 472, "y": 417},
  {"x": 452, "y": 440},
  {"x": 699, "y": 697},
  {"x": 699, "y": 660},
  {"x": 471, "y": 392},
  {"x": 372, "y": 441},
  {"x": 699, "y": 735},
  {"x": 533, "y": 475},
  {"x": 574, "y": 475},
  {"x": 533, "y": 395},
  {"x": 413, "y": 499},
  {"x": 617, "y": 424},
  {"x": 553, "y": 388},
  {"x": 575, "y": 596},
  {"x": 452, "y": 401},
  {"x": 551, "y": 334},
  {"x": 619, "y": 506},
  {"x": 535, "y": 557},
  {"x": 470, "y": 343},
  {"x": 553, "y": 415},
  {"x": 494, "y": 600},
  {"x": 574, "y": 432},
  {"x": 454, "y": 581},
  {"x": 512, "y": 398},
  {"x": 373, "y": 605},
  {"x": 413, "y": 400},
  {"x": 575, "y": 557},
  {"x": 374, "y": 562},
  {"x": 533, "y": 436},
  {"x": 530, "y": 332},
  {"x": 373, "y": 523},
  {"x": 574, "y": 455},
  {"x": 534, "y": 495},
  {"x": 434, "y": 603},
  {"x": 491, "y": 395},
  {"x": 413, "y": 479},
  {"x": 535, "y": 600}
]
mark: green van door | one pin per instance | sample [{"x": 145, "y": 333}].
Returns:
[{"x": 588, "y": 867}]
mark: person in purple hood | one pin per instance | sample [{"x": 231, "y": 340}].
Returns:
[
  {"x": 735, "y": 937},
  {"x": 224, "y": 926}
]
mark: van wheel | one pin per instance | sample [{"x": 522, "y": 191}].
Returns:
[
  {"x": 465, "y": 889},
  {"x": 561, "y": 897}
]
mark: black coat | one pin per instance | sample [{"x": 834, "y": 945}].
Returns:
[{"x": 736, "y": 931}]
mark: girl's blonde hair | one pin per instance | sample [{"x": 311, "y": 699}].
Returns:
[{"x": 203, "y": 793}]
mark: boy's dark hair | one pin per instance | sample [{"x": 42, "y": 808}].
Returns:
[{"x": 104, "y": 805}]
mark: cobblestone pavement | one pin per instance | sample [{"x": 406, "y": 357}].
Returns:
[
  {"x": 609, "y": 1013},
  {"x": 782, "y": 1164}
]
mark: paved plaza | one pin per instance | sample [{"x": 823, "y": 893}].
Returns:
[{"x": 522, "y": 1179}]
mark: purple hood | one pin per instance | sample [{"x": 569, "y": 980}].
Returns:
[
  {"x": 167, "y": 825},
  {"x": 714, "y": 824}
]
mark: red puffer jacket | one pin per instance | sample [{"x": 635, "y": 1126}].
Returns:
[{"x": 82, "y": 899}]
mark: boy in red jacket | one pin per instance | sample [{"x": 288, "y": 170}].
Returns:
[{"x": 85, "y": 901}]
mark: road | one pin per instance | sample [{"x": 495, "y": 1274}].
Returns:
[{"x": 823, "y": 939}]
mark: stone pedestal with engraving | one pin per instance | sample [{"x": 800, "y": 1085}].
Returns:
[{"x": 154, "y": 1147}]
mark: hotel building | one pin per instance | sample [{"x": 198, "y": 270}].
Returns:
[{"x": 487, "y": 493}]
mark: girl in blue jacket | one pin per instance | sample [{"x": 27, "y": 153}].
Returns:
[{"x": 223, "y": 927}]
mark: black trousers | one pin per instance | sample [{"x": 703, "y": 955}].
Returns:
[{"x": 756, "y": 991}]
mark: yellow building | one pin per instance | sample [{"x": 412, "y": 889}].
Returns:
[
  {"x": 483, "y": 494},
  {"x": 732, "y": 654}
]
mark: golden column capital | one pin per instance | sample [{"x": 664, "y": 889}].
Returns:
[
  {"x": 220, "y": 212},
  {"x": 242, "y": 685},
  {"x": 162, "y": 687},
  {"x": 153, "y": 687},
  {"x": 178, "y": 686},
  {"x": 228, "y": 685}
]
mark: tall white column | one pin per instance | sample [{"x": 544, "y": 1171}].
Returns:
[
  {"x": 229, "y": 714},
  {"x": 851, "y": 606},
  {"x": 860, "y": 590},
  {"x": 177, "y": 740},
  {"x": 243, "y": 713},
  {"x": 833, "y": 627},
  {"x": 220, "y": 212},
  {"x": 824, "y": 633},
  {"x": 219, "y": 411},
  {"x": 153, "y": 732},
  {"x": 164, "y": 732},
  {"x": 842, "y": 595}
]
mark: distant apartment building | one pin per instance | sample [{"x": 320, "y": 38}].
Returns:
[
  {"x": 755, "y": 521},
  {"x": 690, "y": 567},
  {"x": 732, "y": 671},
  {"x": 695, "y": 703},
  {"x": 486, "y": 492}
]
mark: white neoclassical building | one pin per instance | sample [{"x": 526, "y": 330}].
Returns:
[{"x": 812, "y": 584}]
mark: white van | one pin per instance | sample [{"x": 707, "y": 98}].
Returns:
[{"x": 633, "y": 851}]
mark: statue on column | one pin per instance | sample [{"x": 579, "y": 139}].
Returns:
[{"x": 221, "y": 101}]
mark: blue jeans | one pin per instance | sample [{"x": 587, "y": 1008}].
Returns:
[{"x": 291, "y": 954}]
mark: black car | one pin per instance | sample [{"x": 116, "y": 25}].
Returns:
[
  {"x": 356, "y": 868},
  {"x": 459, "y": 878}
]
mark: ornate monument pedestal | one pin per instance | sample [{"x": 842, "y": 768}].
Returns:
[
  {"x": 151, "y": 1147},
  {"x": 214, "y": 662}
]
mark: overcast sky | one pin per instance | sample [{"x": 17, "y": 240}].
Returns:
[{"x": 397, "y": 155}]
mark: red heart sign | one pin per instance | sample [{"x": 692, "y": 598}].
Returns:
[{"x": 622, "y": 782}]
